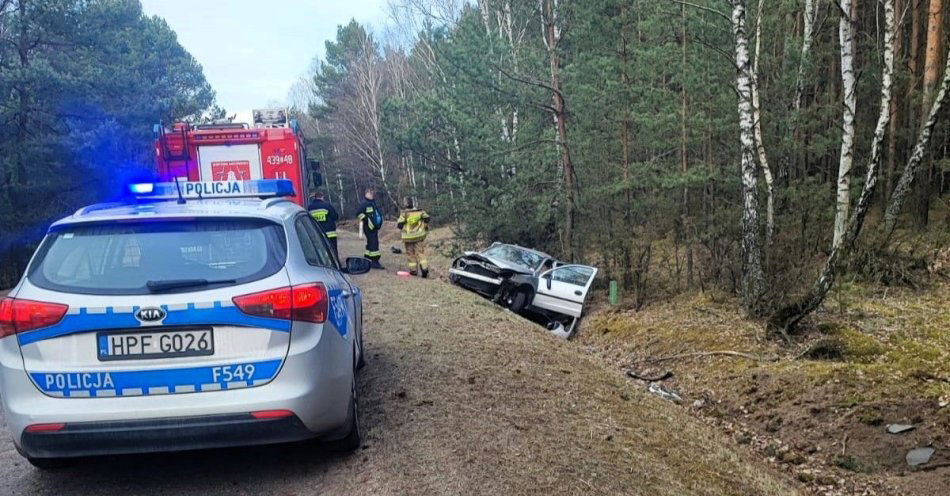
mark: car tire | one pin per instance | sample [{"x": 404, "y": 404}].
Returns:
[
  {"x": 352, "y": 440},
  {"x": 50, "y": 463},
  {"x": 518, "y": 301},
  {"x": 361, "y": 358}
]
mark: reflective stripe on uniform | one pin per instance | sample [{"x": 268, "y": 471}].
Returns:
[
  {"x": 413, "y": 225},
  {"x": 373, "y": 253},
  {"x": 319, "y": 214},
  {"x": 331, "y": 234}
]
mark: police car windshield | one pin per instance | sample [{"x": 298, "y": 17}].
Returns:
[
  {"x": 515, "y": 255},
  {"x": 142, "y": 257}
]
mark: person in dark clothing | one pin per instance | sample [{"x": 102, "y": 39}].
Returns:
[
  {"x": 371, "y": 220},
  {"x": 323, "y": 212}
]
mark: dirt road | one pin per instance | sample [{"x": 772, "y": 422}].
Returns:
[{"x": 458, "y": 398}]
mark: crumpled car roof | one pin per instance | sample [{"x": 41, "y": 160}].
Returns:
[{"x": 505, "y": 264}]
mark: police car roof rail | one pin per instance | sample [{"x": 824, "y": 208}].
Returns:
[
  {"x": 270, "y": 202},
  {"x": 97, "y": 206}
]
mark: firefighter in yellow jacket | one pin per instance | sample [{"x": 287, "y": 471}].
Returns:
[{"x": 414, "y": 224}]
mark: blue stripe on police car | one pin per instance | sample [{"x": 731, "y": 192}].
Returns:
[
  {"x": 167, "y": 381},
  {"x": 337, "y": 314}
]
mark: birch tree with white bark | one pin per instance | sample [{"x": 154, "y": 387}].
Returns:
[
  {"x": 753, "y": 277},
  {"x": 360, "y": 115},
  {"x": 759, "y": 143},
  {"x": 785, "y": 320},
  {"x": 903, "y": 188},
  {"x": 846, "y": 157},
  {"x": 809, "y": 17}
]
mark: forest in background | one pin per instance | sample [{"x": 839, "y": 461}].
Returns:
[
  {"x": 82, "y": 82},
  {"x": 677, "y": 145}
]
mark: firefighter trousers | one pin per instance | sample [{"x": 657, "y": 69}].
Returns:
[
  {"x": 333, "y": 246},
  {"x": 416, "y": 253},
  {"x": 372, "y": 245}
]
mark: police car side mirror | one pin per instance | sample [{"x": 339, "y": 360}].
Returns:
[
  {"x": 547, "y": 278},
  {"x": 357, "y": 265}
]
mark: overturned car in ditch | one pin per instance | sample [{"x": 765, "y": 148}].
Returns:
[{"x": 528, "y": 282}]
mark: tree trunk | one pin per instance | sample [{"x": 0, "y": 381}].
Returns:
[
  {"x": 626, "y": 124},
  {"x": 810, "y": 14},
  {"x": 846, "y": 157},
  {"x": 753, "y": 278},
  {"x": 891, "y": 169},
  {"x": 552, "y": 38},
  {"x": 932, "y": 55},
  {"x": 760, "y": 145},
  {"x": 684, "y": 154},
  {"x": 785, "y": 319},
  {"x": 914, "y": 63},
  {"x": 913, "y": 163},
  {"x": 931, "y": 75}
]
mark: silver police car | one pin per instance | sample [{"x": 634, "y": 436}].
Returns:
[{"x": 210, "y": 318}]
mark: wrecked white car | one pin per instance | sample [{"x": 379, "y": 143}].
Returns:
[{"x": 528, "y": 282}]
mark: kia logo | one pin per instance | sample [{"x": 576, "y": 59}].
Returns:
[{"x": 150, "y": 314}]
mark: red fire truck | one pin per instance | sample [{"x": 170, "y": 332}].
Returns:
[{"x": 270, "y": 149}]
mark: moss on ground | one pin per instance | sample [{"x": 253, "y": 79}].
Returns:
[{"x": 872, "y": 355}]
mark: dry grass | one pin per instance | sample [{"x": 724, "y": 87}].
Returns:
[
  {"x": 461, "y": 397},
  {"x": 887, "y": 359}
]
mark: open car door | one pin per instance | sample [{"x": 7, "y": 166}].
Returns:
[{"x": 564, "y": 289}]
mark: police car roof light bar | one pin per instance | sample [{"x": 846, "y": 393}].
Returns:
[
  {"x": 180, "y": 190},
  {"x": 181, "y": 199}
]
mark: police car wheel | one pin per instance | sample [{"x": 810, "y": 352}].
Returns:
[
  {"x": 352, "y": 440},
  {"x": 50, "y": 463},
  {"x": 361, "y": 359}
]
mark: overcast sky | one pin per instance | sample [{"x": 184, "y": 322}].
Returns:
[{"x": 252, "y": 51}]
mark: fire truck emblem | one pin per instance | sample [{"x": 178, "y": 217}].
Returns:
[{"x": 231, "y": 170}]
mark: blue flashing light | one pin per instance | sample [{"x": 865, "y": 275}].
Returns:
[
  {"x": 141, "y": 188},
  {"x": 260, "y": 188}
]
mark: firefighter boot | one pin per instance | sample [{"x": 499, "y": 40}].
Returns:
[{"x": 421, "y": 257}]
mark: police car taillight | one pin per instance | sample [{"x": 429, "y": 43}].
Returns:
[
  {"x": 305, "y": 302},
  {"x": 18, "y": 315},
  {"x": 34, "y": 428},
  {"x": 271, "y": 414}
]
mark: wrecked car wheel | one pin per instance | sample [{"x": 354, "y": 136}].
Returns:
[{"x": 518, "y": 301}]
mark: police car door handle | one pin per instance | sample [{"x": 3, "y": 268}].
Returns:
[{"x": 578, "y": 292}]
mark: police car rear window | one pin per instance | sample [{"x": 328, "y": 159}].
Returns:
[{"x": 137, "y": 258}]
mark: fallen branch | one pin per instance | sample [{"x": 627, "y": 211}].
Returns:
[
  {"x": 635, "y": 375},
  {"x": 928, "y": 468},
  {"x": 702, "y": 354}
]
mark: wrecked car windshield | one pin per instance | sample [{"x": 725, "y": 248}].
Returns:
[{"x": 515, "y": 255}]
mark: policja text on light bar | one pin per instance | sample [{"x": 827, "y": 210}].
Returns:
[{"x": 260, "y": 188}]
